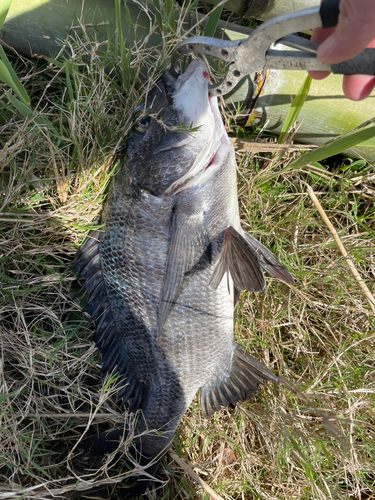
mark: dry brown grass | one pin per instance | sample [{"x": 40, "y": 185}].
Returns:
[{"x": 310, "y": 438}]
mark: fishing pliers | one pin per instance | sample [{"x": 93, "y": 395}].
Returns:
[{"x": 254, "y": 54}]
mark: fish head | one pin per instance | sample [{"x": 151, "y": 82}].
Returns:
[{"x": 178, "y": 134}]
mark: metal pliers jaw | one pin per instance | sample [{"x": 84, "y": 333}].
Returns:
[{"x": 254, "y": 54}]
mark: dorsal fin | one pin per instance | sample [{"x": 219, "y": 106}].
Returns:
[
  {"x": 242, "y": 383},
  {"x": 114, "y": 356}
]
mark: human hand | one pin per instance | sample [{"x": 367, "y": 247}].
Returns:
[{"x": 354, "y": 32}]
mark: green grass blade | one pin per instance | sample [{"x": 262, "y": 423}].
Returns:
[
  {"x": 330, "y": 148},
  {"x": 5, "y": 75},
  {"x": 4, "y": 397},
  {"x": 213, "y": 20},
  {"x": 20, "y": 106},
  {"x": 4, "y": 11},
  {"x": 158, "y": 13},
  {"x": 69, "y": 82},
  {"x": 26, "y": 112},
  {"x": 51, "y": 60},
  {"x": 124, "y": 54},
  {"x": 170, "y": 11},
  {"x": 8, "y": 76},
  {"x": 333, "y": 148},
  {"x": 295, "y": 108}
]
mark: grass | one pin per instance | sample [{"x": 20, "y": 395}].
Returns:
[{"x": 310, "y": 438}]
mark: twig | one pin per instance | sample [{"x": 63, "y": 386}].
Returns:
[
  {"x": 74, "y": 415},
  {"x": 268, "y": 147},
  {"x": 369, "y": 297},
  {"x": 195, "y": 476}
]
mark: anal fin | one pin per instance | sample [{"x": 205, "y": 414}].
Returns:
[{"x": 246, "y": 375}]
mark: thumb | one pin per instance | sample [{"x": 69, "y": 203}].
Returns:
[{"x": 354, "y": 31}]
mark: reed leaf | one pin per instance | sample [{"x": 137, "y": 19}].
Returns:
[
  {"x": 334, "y": 147},
  {"x": 214, "y": 19},
  {"x": 4, "y": 8},
  {"x": 295, "y": 108}
]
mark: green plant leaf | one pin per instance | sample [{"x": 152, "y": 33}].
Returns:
[
  {"x": 4, "y": 397},
  {"x": 11, "y": 79},
  {"x": 4, "y": 11},
  {"x": 170, "y": 11},
  {"x": 295, "y": 108},
  {"x": 20, "y": 106},
  {"x": 334, "y": 147},
  {"x": 158, "y": 13},
  {"x": 213, "y": 20},
  {"x": 26, "y": 112}
]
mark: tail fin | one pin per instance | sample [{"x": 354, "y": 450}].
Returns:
[{"x": 246, "y": 375}]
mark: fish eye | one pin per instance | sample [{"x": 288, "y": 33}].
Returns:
[{"x": 142, "y": 124}]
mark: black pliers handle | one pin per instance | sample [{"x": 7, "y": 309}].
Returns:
[{"x": 254, "y": 53}]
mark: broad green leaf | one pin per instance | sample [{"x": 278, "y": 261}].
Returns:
[
  {"x": 235, "y": 35},
  {"x": 213, "y": 20},
  {"x": 333, "y": 148},
  {"x": 4, "y": 11},
  {"x": 5, "y": 75},
  {"x": 295, "y": 108}
]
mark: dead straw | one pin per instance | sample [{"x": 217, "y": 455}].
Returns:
[
  {"x": 186, "y": 467},
  {"x": 368, "y": 295}
]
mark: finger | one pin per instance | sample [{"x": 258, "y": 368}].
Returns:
[
  {"x": 354, "y": 31},
  {"x": 319, "y": 35},
  {"x": 358, "y": 87},
  {"x": 319, "y": 75}
]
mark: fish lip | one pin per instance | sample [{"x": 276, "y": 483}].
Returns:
[
  {"x": 212, "y": 162},
  {"x": 193, "y": 67}
]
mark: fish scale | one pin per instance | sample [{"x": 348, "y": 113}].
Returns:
[{"x": 170, "y": 260}]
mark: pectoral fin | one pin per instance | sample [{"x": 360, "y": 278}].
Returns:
[
  {"x": 268, "y": 261},
  {"x": 189, "y": 251},
  {"x": 241, "y": 261}
]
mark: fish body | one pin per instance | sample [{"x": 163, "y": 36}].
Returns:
[{"x": 163, "y": 272}]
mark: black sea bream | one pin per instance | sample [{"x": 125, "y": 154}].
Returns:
[{"x": 163, "y": 272}]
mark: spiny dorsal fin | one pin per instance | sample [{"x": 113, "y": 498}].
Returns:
[
  {"x": 268, "y": 261},
  {"x": 107, "y": 338},
  {"x": 245, "y": 377},
  {"x": 241, "y": 261}
]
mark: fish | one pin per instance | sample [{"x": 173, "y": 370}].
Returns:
[{"x": 163, "y": 272}]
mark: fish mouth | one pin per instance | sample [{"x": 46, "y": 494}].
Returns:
[
  {"x": 219, "y": 130},
  {"x": 216, "y": 143}
]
